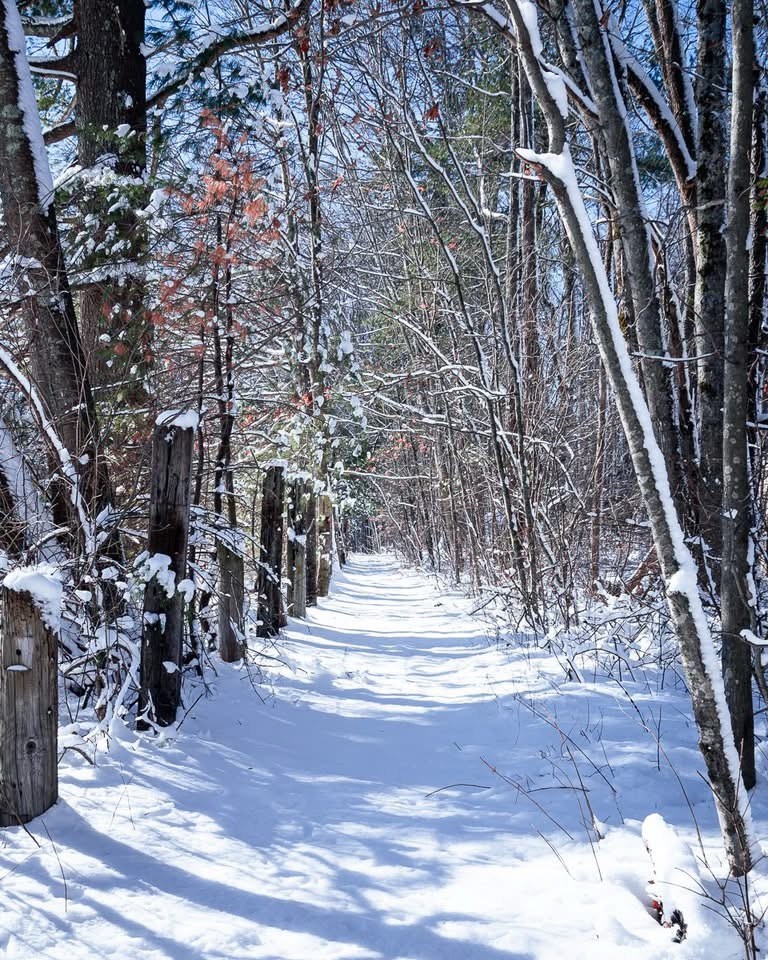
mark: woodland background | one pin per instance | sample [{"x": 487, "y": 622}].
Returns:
[{"x": 481, "y": 284}]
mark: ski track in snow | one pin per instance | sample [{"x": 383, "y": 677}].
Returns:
[{"x": 299, "y": 828}]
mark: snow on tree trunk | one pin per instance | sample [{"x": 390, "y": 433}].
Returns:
[
  {"x": 633, "y": 227},
  {"x": 310, "y": 546}
]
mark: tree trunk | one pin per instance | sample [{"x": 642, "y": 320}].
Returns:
[
  {"x": 57, "y": 364},
  {"x": 231, "y": 592},
  {"x": 736, "y": 593},
  {"x": 340, "y": 536},
  {"x": 12, "y": 525},
  {"x": 231, "y": 595},
  {"x": 111, "y": 96},
  {"x": 598, "y": 478},
  {"x": 324, "y": 545},
  {"x": 29, "y": 713},
  {"x": 164, "y": 568},
  {"x": 268, "y": 580},
  {"x": 300, "y": 577},
  {"x": 709, "y": 304},
  {"x": 633, "y": 227},
  {"x": 296, "y": 553},
  {"x": 310, "y": 548}
]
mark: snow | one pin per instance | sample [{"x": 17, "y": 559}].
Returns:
[
  {"x": 530, "y": 16},
  {"x": 355, "y": 813},
  {"x": 28, "y": 105},
  {"x": 44, "y": 586},
  {"x": 183, "y": 419},
  {"x": 187, "y": 587},
  {"x": 346, "y": 346},
  {"x": 675, "y": 868},
  {"x": 157, "y": 566},
  {"x": 27, "y": 504},
  {"x": 557, "y": 90}
]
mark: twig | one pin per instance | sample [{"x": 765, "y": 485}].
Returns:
[
  {"x": 478, "y": 786},
  {"x": 58, "y": 860}
]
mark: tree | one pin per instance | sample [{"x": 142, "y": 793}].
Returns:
[
  {"x": 57, "y": 363},
  {"x": 651, "y": 467}
]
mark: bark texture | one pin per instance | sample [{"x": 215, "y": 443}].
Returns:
[
  {"x": 111, "y": 94},
  {"x": 271, "y": 553},
  {"x": 709, "y": 303},
  {"x": 736, "y": 600},
  {"x": 296, "y": 553},
  {"x": 324, "y": 545},
  {"x": 163, "y": 621},
  {"x": 231, "y": 591},
  {"x": 28, "y": 710},
  {"x": 57, "y": 363}
]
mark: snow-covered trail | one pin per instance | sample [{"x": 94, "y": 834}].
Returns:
[{"x": 352, "y": 813}]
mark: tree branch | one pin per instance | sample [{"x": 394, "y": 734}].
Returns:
[
  {"x": 240, "y": 40},
  {"x": 52, "y": 28}
]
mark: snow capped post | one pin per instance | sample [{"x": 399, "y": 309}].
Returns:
[
  {"x": 30, "y": 604},
  {"x": 271, "y": 550},
  {"x": 163, "y": 567}
]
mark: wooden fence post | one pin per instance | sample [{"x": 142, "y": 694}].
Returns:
[
  {"x": 310, "y": 544},
  {"x": 165, "y": 567},
  {"x": 297, "y": 568},
  {"x": 323, "y": 544},
  {"x": 231, "y": 597},
  {"x": 31, "y": 602},
  {"x": 340, "y": 534},
  {"x": 270, "y": 552}
]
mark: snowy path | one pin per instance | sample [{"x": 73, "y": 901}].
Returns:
[{"x": 303, "y": 828}]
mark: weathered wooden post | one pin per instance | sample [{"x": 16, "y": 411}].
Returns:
[
  {"x": 296, "y": 553},
  {"x": 270, "y": 551},
  {"x": 31, "y": 604},
  {"x": 310, "y": 544},
  {"x": 291, "y": 512},
  {"x": 324, "y": 512},
  {"x": 164, "y": 567},
  {"x": 340, "y": 534},
  {"x": 231, "y": 594}
]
